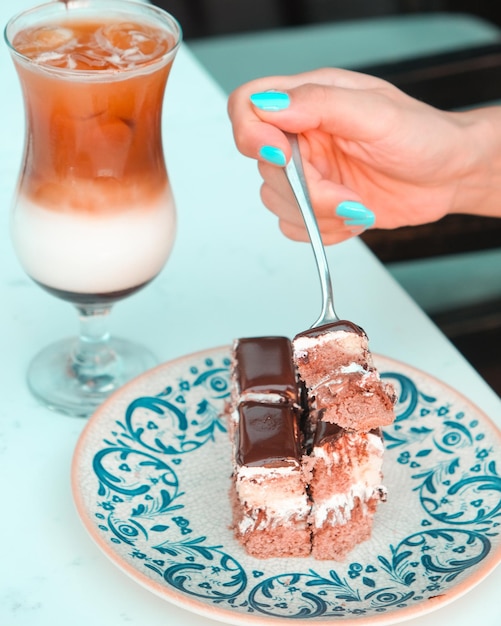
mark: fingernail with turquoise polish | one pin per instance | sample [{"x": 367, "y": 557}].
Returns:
[
  {"x": 273, "y": 155},
  {"x": 355, "y": 214},
  {"x": 270, "y": 100}
]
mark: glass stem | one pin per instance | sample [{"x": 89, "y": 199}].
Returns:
[{"x": 94, "y": 362}]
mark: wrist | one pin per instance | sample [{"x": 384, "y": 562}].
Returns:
[{"x": 479, "y": 161}]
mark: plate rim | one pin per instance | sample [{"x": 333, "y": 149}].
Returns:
[{"x": 223, "y": 615}]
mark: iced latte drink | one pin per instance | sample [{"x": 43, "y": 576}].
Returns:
[{"x": 94, "y": 216}]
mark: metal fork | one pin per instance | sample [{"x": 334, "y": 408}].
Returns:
[{"x": 295, "y": 175}]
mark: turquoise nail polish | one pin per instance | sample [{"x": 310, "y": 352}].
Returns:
[
  {"x": 270, "y": 100},
  {"x": 355, "y": 214},
  {"x": 273, "y": 155}
]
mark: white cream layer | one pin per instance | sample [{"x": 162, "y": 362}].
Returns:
[
  {"x": 352, "y": 343},
  {"x": 257, "y": 491},
  {"x": 365, "y": 479},
  {"x": 89, "y": 253},
  {"x": 338, "y": 507},
  {"x": 340, "y": 377}
]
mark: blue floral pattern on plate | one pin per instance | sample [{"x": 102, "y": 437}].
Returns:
[{"x": 151, "y": 475}]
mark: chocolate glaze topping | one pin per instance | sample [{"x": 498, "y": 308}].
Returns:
[
  {"x": 326, "y": 328},
  {"x": 328, "y": 432},
  {"x": 325, "y": 432},
  {"x": 268, "y": 435},
  {"x": 264, "y": 364}
]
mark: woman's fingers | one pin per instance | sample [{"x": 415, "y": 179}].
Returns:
[
  {"x": 325, "y": 195},
  {"x": 331, "y": 231},
  {"x": 339, "y": 212},
  {"x": 335, "y": 101}
]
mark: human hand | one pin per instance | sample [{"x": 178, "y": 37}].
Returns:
[{"x": 372, "y": 155}]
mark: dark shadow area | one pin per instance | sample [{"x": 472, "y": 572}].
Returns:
[
  {"x": 476, "y": 333},
  {"x": 209, "y": 18}
]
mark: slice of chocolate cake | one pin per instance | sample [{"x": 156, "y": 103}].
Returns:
[
  {"x": 345, "y": 487},
  {"x": 270, "y": 503},
  {"x": 306, "y": 466},
  {"x": 343, "y": 385}
]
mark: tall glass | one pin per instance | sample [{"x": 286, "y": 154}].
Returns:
[{"x": 93, "y": 216}]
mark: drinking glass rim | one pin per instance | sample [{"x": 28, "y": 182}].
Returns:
[{"x": 144, "y": 8}]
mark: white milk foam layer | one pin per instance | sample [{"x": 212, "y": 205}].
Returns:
[{"x": 94, "y": 254}]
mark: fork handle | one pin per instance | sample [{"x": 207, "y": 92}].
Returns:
[{"x": 297, "y": 180}]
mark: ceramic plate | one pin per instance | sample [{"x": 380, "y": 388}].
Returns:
[{"x": 151, "y": 474}]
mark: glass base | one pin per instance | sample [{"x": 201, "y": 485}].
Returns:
[{"x": 55, "y": 379}]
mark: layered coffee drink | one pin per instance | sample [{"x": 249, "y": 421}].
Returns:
[
  {"x": 95, "y": 213},
  {"x": 93, "y": 217}
]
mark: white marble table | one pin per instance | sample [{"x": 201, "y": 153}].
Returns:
[{"x": 50, "y": 570}]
